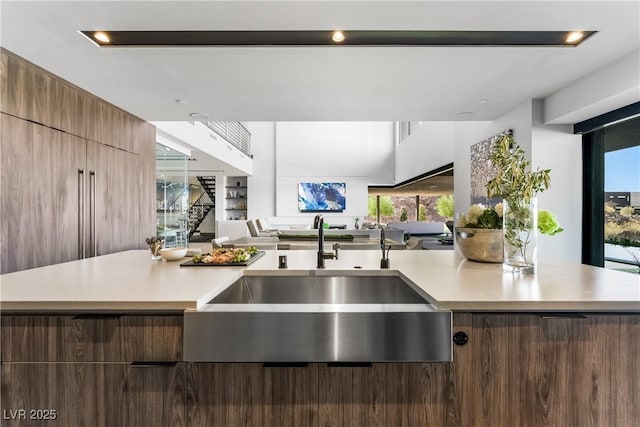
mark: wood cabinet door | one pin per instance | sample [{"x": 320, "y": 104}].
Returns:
[
  {"x": 113, "y": 199},
  {"x": 248, "y": 394},
  {"x": 546, "y": 370},
  {"x": 18, "y": 234},
  {"x": 41, "y": 195},
  {"x": 92, "y": 394}
]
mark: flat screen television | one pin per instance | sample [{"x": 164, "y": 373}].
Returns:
[{"x": 322, "y": 196}]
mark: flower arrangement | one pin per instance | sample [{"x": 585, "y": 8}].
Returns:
[{"x": 480, "y": 216}]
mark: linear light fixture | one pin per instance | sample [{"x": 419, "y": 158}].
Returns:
[{"x": 325, "y": 38}]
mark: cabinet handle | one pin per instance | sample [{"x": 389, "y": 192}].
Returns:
[
  {"x": 93, "y": 243},
  {"x": 349, "y": 364},
  {"x": 152, "y": 364},
  {"x": 96, "y": 316},
  {"x": 561, "y": 316},
  {"x": 81, "y": 213},
  {"x": 285, "y": 365}
]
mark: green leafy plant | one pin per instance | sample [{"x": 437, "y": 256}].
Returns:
[
  {"x": 513, "y": 182},
  {"x": 517, "y": 185},
  {"x": 386, "y": 206},
  {"x": 548, "y": 224},
  {"x": 444, "y": 206},
  {"x": 403, "y": 215},
  {"x": 422, "y": 213}
]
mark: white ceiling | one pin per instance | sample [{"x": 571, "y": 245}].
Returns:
[{"x": 318, "y": 83}]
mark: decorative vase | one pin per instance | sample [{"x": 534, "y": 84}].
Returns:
[
  {"x": 357, "y": 224},
  {"x": 520, "y": 225},
  {"x": 480, "y": 244}
]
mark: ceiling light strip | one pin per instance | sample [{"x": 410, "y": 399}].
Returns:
[{"x": 325, "y": 38}]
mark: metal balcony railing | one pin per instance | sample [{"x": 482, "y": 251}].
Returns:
[{"x": 236, "y": 134}]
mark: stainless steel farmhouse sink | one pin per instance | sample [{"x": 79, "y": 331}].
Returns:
[{"x": 317, "y": 318}]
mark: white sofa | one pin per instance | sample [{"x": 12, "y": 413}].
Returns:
[{"x": 416, "y": 228}]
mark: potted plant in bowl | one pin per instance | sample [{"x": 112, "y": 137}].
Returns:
[{"x": 479, "y": 233}]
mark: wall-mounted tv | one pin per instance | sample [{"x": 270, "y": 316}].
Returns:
[{"x": 322, "y": 196}]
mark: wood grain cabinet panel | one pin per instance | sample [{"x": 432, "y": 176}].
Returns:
[
  {"x": 41, "y": 195},
  {"x": 93, "y": 338},
  {"x": 17, "y": 205},
  {"x": 16, "y": 91},
  {"x": 248, "y": 394},
  {"x": 92, "y": 394},
  {"x": 114, "y": 199},
  {"x": 551, "y": 370}
]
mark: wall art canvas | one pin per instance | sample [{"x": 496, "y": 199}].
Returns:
[
  {"x": 482, "y": 170},
  {"x": 322, "y": 196}
]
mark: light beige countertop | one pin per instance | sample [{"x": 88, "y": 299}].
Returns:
[{"x": 131, "y": 281}]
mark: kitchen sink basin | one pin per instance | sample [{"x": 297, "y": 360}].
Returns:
[
  {"x": 318, "y": 318},
  {"x": 319, "y": 290}
]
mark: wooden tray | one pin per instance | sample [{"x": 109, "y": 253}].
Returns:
[{"x": 190, "y": 263}]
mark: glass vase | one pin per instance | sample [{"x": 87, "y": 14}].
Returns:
[{"x": 520, "y": 226}]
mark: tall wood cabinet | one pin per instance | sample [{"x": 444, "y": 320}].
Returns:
[{"x": 78, "y": 173}]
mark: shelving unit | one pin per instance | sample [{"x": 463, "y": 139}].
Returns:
[{"x": 236, "y": 198}]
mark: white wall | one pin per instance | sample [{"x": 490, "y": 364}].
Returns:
[
  {"x": 430, "y": 146},
  {"x": 555, "y": 147},
  {"x": 286, "y": 153},
  {"x": 261, "y": 186},
  {"x": 321, "y": 152},
  {"x": 381, "y": 153}
]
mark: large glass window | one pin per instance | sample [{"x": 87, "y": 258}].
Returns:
[
  {"x": 622, "y": 207},
  {"x": 172, "y": 194},
  {"x": 611, "y": 192}
]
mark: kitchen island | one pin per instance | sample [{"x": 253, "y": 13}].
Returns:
[{"x": 558, "y": 348}]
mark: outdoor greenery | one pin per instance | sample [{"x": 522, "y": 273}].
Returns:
[
  {"x": 403, "y": 214},
  {"x": 391, "y": 208},
  {"x": 386, "y": 206},
  {"x": 444, "y": 206}
]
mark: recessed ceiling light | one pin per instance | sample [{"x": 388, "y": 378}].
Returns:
[
  {"x": 484, "y": 101},
  {"x": 337, "y": 36},
  {"x": 199, "y": 116},
  {"x": 102, "y": 37},
  {"x": 574, "y": 36},
  {"x": 465, "y": 113},
  {"x": 181, "y": 101}
]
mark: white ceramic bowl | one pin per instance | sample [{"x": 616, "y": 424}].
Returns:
[{"x": 172, "y": 254}]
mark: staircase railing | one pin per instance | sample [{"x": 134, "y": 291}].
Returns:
[
  {"x": 234, "y": 132},
  {"x": 202, "y": 205}
]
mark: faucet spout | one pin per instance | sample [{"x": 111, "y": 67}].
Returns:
[
  {"x": 322, "y": 255},
  {"x": 384, "y": 261},
  {"x": 320, "y": 234}
]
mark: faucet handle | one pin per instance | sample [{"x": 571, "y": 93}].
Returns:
[{"x": 336, "y": 247}]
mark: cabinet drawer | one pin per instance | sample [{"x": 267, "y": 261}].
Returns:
[
  {"x": 91, "y": 338},
  {"x": 92, "y": 394}
]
